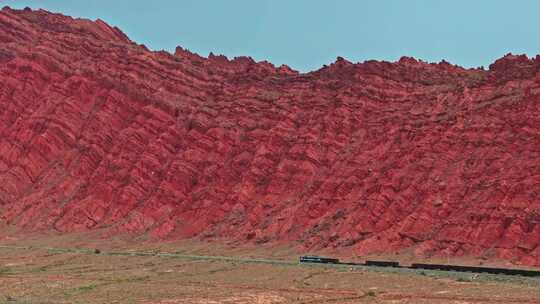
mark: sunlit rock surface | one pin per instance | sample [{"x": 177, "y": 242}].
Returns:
[{"x": 97, "y": 131}]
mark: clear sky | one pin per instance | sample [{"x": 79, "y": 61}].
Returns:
[{"x": 305, "y": 34}]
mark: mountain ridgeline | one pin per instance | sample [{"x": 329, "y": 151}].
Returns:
[{"x": 98, "y": 132}]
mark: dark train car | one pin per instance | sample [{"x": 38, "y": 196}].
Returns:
[
  {"x": 431, "y": 266},
  {"x": 318, "y": 259},
  {"x": 382, "y": 263},
  {"x": 475, "y": 269}
]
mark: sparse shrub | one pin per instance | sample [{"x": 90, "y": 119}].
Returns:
[
  {"x": 371, "y": 293},
  {"x": 85, "y": 288}
]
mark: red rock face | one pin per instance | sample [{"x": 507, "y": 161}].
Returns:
[{"x": 98, "y": 132}]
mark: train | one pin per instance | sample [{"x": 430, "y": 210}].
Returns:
[
  {"x": 318, "y": 259},
  {"x": 441, "y": 267}
]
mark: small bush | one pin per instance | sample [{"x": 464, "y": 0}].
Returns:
[
  {"x": 86, "y": 288},
  {"x": 371, "y": 293}
]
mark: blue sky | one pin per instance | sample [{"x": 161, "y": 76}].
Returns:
[{"x": 305, "y": 34}]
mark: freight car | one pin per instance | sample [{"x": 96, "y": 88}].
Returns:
[
  {"x": 382, "y": 264},
  {"x": 475, "y": 269}
]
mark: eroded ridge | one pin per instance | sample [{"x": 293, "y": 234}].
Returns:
[{"x": 100, "y": 132}]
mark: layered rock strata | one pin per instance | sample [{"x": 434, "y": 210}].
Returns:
[{"x": 98, "y": 132}]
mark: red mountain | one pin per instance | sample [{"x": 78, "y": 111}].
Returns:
[{"x": 97, "y": 132}]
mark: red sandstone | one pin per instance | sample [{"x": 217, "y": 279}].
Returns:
[{"x": 98, "y": 132}]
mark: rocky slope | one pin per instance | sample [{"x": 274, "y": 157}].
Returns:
[{"x": 97, "y": 132}]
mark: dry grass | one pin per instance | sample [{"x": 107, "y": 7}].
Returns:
[{"x": 37, "y": 275}]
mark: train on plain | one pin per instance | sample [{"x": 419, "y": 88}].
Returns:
[{"x": 441, "y": 267}]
